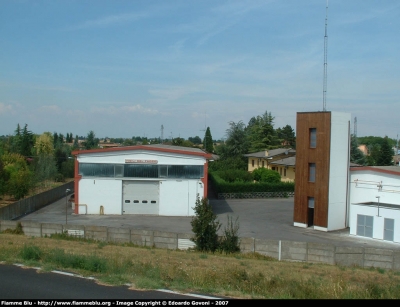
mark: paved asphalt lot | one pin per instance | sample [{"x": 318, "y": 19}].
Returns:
[{"x": 258, "y": 218}]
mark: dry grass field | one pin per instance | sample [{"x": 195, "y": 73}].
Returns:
[{"x": 236, "y": 275}]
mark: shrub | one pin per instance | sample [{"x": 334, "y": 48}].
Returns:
[
  {"x": 31, "y": 253},
  {"x": 205, "y": 226},
  {"x": 266, "y": 175},
  {"x": 17, "y": 231},
  {"x": 221, "y": 186},
  {"x": 230, "y": 241},
  {"x": 236, "y": 176}
]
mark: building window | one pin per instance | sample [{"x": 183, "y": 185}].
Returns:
[
  {"x": 310, "y": 202},
  {"x": 252, "y": 163},
  {"x": 388, "y": 230},
  {"x": 311, "y": 172},
  {"x": 119, "y": 170},
  {"x": 141, "y": 170},
  {"x": 365, "y": 225},
  {"x": 284, "y": 172},
  {"x": 163, "y": 171},
  {"x": 313, "y": 137},
  {"x": 273, "y": 168},
  {"x": 280, "y": 171},
  {"x": 262, "y": 163}
]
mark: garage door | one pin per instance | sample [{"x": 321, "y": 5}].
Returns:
[{"x": 140, "y": 197}]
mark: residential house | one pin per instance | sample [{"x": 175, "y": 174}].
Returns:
[{"x": 275, "y": 159}]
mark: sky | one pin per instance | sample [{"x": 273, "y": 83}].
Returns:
[{"x": 128, "y": 68}]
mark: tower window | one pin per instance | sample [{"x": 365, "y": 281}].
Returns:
[
  {"x": 311, "y": 172},
  {"x": 313, "y": 137}
]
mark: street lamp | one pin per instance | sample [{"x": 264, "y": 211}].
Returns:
[
  {"x": 66, "y": 205},
  {"x": 378, "y": 203}
]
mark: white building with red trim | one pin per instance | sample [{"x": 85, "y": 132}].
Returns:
[
  {"x": 145, "y": 179},
  {"x": 375, "y": 202}
]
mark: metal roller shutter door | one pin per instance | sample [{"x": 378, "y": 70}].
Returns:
[{"x": 140, "y": 197}]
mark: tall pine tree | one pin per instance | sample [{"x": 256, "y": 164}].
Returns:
[
  {"x": 385, "y": 157},
  {"x": 208, "y": 141}
]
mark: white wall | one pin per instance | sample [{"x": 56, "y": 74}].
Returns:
[
  {"x": 178, "y": 197},
  {"x": 120, "y": 156},
  {"x": 378, "y": 220},
  {"x": 338, "y": 170},
  {"x": 366, "y": 190},
  {"x": 100, "y": 192}
]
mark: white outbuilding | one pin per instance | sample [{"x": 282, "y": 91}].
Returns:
[
  {"x": 375, "y": 202},
  {"x": 144, "y": 179}
]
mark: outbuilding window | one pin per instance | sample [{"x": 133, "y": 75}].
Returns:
[
  {"x": 388, "y": 230},
  {"x": 365, "y": 225}
]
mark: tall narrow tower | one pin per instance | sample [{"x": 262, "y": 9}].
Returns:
[{"x": 325, "y": 59}]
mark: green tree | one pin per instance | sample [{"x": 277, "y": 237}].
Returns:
[
  {"x": 45, "y": 169},
  {"x": 205, "y": 226},
  {"x": 145, "y": 141},
  {"x": 76, "y": 143},
  {"x": 4, "y": 177},
  {"x": 208, "y": 141},
  {"x": 356, "y": 155},
  {"x": 91, "y": 141},
  {"x": 195, "y": 140},
  {"x": 261, "y": 133},
  {"x": 287, "y": 136},
  {"x": 266, "y": 175},
  {"x": 19, "y": 183},
  {"x": 236, "y": 142},
  {"x": 44, "y": 144},
  {"x": 374, "y": 153},
  {"x": 385, "y": 157},
  {"x": 16, "y": 174},
  {"x": 128, "y": 142},
  {"x": 60, "y": 156},
  {"x": 27, "y": 142},
  {"x": 68, "y": 168},
  {"x": 16, "y": 140}
]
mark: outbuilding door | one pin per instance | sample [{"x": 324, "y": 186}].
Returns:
[{"x": 140, "y": 197}]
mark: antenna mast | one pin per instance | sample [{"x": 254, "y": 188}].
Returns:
[
  {"x": 325, "y": 58},
  {"x": 355, "y": 126}
]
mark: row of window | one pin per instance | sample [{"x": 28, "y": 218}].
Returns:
[
  {"x": 141, "y": 170},
  {"x": 313, "y": 144},
  {"x": 365, "y": 227}
]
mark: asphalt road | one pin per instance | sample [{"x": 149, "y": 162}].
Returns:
[
  {"x": 28, "y": 283},
  {"x": 268, "y": 219}
]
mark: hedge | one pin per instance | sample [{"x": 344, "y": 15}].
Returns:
[{"x": 222, "y": 186}]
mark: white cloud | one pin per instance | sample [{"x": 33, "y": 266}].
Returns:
[
  {"x": 123, "y": 109},
  {"x": 50, "y": 109},
  {"x": 109, "y": 21},
  {"x": 174, "y": 93},
  {"x": 5, "y": 108}
]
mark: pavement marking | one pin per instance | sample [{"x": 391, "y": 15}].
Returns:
[
  {"x": 92, "y": 278},
  {"x": 189, "y": 294}
]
